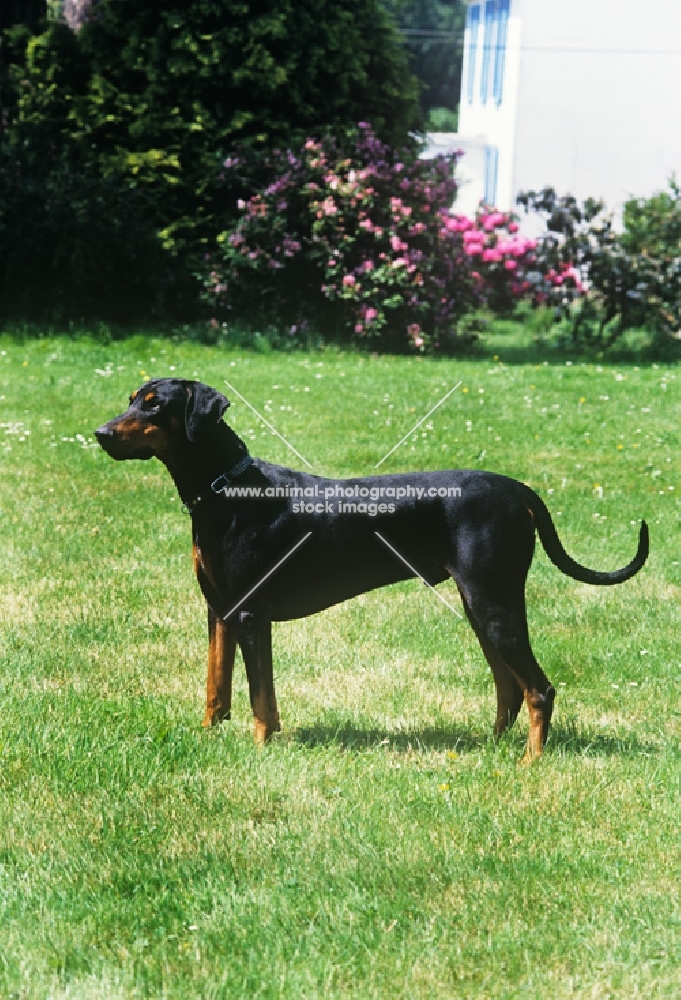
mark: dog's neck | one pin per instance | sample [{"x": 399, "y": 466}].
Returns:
[{"x": 199, "y": 463}]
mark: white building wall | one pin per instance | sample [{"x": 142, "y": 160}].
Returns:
[
  {"x": 599, "y": 97},
  {"x": 591, "y": 103},
  {"x": 489, "y": 124}
]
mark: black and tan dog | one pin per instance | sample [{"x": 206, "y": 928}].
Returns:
[{"x": 300, "y": 543}]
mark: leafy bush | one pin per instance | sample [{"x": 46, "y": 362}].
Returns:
[
  {"x": 652, "y": 237},
  {"x": 74, "y": 245},
  {"x": 360, "y": 241},
  {"x": 603, "y": 282},
  {"x": 142, "y": 105}
]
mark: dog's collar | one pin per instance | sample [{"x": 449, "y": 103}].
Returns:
[{"x": 221, "y": 483}]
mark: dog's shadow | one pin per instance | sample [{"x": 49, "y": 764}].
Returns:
[
  {"x": 566, "y": 739},
  {"x": 348, "y": 736}
]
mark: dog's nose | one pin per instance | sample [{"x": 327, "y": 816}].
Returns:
[{"x": 103, "y": 433}]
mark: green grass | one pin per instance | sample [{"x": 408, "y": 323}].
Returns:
[{"x": 383, "y": 845}]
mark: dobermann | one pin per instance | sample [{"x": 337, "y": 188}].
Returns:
[{"x": 293, "y": 544}]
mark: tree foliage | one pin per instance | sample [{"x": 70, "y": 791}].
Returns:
[
  {"x": 142, "y": 106},
  {"x": 27, "y": 12},
  {"x": 433, "y": 35}
]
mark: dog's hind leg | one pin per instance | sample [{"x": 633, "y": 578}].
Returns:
[
  {"x": 509, "y": 692},
  {"x": 254, "y": 634},
  {"x": 497, "y": 613},
  {"x": 221, "y": 651}
]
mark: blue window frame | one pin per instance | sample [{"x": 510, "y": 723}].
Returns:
[
  {"x": 473, "y": 26},
  {"x": 489, "y": 33},
  {"x": 503, "y": 10},
  {"x": 491, "y": 169}
]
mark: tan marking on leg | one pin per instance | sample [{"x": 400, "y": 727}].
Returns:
[
  {"x": 266, "y": 716},
  {"x": 540, "y": 708},
  {"x": 265, "y": 729},
  {"x": 221, "y": 651}
]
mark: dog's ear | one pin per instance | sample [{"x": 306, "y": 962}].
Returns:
[{"x": 204, "y": 409}]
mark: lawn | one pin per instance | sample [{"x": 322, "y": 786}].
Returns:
[{"x": 383, "y": 845}]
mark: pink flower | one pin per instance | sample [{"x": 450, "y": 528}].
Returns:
[
  {"x": 513, "y": 227},
  {"x": 510, "y": 265},
  {"x": 349, "y": 281},
  {"x": 491, "y": 256},
  {"x": 493, "y": 221},
  {"x": 474, "y": 248},
  {"x": 370, "y": 315}
]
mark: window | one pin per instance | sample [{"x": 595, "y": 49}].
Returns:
[
  {"x": 473, "y": 27},
  {"x": 489, "y": 34},
  {"x": 495, "y": 32},
  {"x": 503, "y": 7},
  {"x": 491, "y": 167}
]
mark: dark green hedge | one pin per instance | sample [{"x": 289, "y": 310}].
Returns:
[{"x": 113, "y": 139}]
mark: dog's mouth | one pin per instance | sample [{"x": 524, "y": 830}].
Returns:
[{"x": 118, "y": 447}]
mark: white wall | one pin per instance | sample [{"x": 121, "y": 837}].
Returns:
[
  {"x": 489, "y": 124},
  {"x": 592, "y": 100},
  {"x": 599, "y": 96}
]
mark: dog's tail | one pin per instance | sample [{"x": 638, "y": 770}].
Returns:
[{"x": 553, "y": 546}]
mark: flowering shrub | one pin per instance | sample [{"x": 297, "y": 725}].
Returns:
[
  {"x": 503, "y": 258},
  {"x": 601, "y": 281},
  {"x": 363, "y": 242}
]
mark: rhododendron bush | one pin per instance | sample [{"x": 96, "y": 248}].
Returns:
[
  {"x": 361, "y": 241},
  {"x": 632, "y": 278}
]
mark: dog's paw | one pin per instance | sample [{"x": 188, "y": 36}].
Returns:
[{"x": 214, "y": 717}]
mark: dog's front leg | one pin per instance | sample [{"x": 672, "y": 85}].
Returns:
[
  {"x": 221, "y": 651},
  {"x": 254, "y": 634}
]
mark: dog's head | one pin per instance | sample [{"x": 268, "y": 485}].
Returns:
[{"x": 162, "y": 414}]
